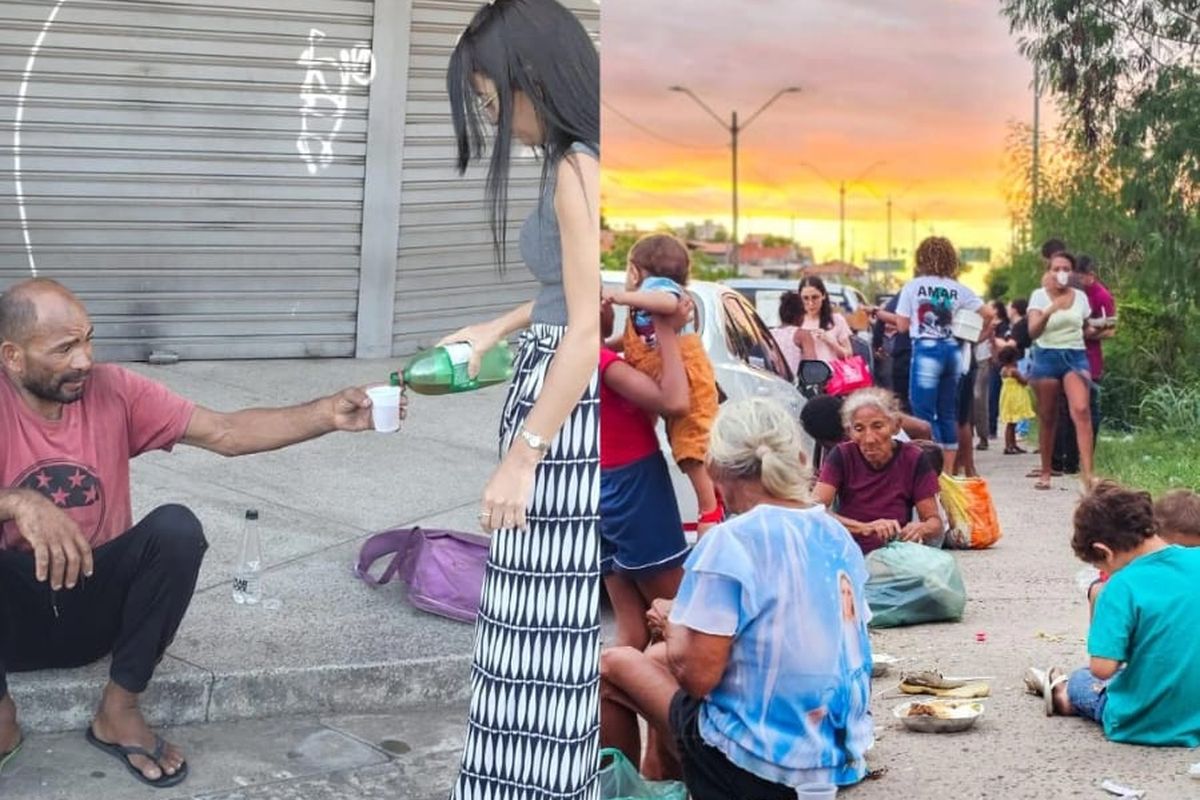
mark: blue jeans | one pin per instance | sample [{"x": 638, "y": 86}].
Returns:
[
  {"x": 932, "y": 386},
  {"x": 1088, "y": 694}
]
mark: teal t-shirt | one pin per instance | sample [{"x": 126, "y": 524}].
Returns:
[{"x": 1148, "y": 617}]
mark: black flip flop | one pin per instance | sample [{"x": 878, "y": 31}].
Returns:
[
  {"x": 6, "y": 757},
  {"x": 122, "y": 754}
]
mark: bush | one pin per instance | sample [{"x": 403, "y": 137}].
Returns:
[
  {"x": 1171, "y": 409},
  {"x": 1151, "y": 369}
]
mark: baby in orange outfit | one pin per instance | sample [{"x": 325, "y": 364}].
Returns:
[{"x": 658, "y": 270}]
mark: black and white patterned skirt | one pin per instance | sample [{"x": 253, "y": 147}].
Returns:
[{"x": 534, "y": 727}]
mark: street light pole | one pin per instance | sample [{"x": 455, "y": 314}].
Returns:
[
  {"x": 889, "y": 229},
  {"x": 734, "y": 129},
  {"x": 842, "y": 222},
  {"x": 1037, "y": 92},
  {"x": 733, "y": 248}
]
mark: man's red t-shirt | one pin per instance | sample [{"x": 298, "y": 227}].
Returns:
[
  {"x": 626, "y": 431},
  {"x": 81, "y": 461},
  {"x": 1102, "y": 304}
]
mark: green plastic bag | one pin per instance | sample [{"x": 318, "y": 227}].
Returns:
[
  {"x": 911, "y": 583},
  {"x": 620, "y": 780}
]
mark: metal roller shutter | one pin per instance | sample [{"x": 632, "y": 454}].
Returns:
[
  {"x": 162, "y": 176},
  {"x": 446, "y": 274}
]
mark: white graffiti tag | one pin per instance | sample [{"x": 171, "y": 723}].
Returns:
[{"x": 323, "y": 108}]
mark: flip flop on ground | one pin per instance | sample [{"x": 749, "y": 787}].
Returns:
[
  {"x": 1043, "y": 682},
  {"x": 123, "y": 752},
  {"x": 6, "y": 757},
  {"x": 1037, "y": 473}
]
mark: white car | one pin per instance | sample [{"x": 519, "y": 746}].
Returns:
[
  {"x": 764, "y": 293},
  {"x": 744, "y": 355}
]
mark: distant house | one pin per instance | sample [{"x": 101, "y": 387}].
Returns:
[
  {"x": 757, "y": 260},
  {"x": 839, "y": 270},
  {"x": 717, "y": 250}
]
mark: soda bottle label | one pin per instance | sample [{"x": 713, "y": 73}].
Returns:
[{"x": 459, "y": 353}]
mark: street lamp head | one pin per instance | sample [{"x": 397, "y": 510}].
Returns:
[{"x": 676, "y": 89}]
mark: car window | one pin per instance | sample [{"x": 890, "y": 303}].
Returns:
[{"x": 749, "y": 339}]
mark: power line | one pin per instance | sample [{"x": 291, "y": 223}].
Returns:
[{"x": 654, "y": 134}]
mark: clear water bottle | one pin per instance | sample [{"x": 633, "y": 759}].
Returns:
[{"x": 247, "y": 579}]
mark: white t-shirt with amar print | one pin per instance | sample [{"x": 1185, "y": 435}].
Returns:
[{"x": 930, "y": 302}]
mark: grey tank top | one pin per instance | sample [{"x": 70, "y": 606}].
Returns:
[{"x": 541, "y": 249}]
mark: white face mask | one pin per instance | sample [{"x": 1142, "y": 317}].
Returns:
[{"x": 1064, "y": 278}]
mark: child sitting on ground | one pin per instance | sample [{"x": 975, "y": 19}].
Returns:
[
  {"x": 1145, "y": 655},
  {"x": 1177, "y": 514},
  {"x": 1016, "y": 405},
  {"x": 658, "y": 269}
]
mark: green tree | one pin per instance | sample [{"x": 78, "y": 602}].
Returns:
[
  {"x": 1126, "y": 75},
  {"x": 617, "y": 257}
]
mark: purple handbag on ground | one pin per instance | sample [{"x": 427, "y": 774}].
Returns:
[{"x": 443, "y": 569}]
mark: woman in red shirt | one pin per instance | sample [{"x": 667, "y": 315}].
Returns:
[{"x": 642, "y": 546}]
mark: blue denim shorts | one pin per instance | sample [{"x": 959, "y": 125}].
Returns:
[
  {"x": 1056, "y": 363},
  {"x": 1088, "y": 694}
]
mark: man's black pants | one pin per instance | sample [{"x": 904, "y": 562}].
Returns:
[
  {"x": 1066, "y": 446},
  {"x": 132, "y": 605}
]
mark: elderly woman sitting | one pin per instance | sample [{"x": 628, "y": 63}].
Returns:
[
  {"x": 878, "y": 481},
  {"x": 762, "y": 682}
]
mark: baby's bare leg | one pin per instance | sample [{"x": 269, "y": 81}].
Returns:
[{"x": 702, "y": 485}]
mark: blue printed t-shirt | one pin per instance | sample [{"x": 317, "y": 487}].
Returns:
[
  {"x": 643, "y": 321},
  {"x": 930, "y": 302},
  {"x": 787, "y": 585},
  {"x": 1147, "y": 617}
]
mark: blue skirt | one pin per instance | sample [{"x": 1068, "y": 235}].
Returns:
[{"x": 641, "y": 531}]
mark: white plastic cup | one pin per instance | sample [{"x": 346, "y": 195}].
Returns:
[
  {"x": 385, "y": 408},
  {"x": 816, "y": 791}
]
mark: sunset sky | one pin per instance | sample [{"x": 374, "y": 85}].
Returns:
[{"x": 928, "y": 87}]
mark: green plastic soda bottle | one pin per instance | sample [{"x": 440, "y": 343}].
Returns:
[{"x": 443, "y": 370}]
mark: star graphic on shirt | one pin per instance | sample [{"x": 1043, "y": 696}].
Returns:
[
  {"x": 43, "y": 480},
  {"x": 77, "y": 479},
  {"x": 89, "y": 495},
  {"x": 60, "y": 497}
]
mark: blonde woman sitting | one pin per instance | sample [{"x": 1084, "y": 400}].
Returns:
[{"x": 762, "y": 682}]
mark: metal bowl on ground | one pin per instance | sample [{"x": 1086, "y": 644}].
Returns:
[
  {"x": 881, "y": 664},
  {"x": 951, "y": 717}
]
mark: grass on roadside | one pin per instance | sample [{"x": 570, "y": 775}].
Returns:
[{"x": 1155, "y": 462}]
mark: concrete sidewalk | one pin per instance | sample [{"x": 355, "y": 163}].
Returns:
[{"x": 335, "y": 645}]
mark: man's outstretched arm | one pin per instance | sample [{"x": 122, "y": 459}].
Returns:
[{"x": 256, "y": 430}]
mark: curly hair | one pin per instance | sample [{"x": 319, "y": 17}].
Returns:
[
  {"x": 937, "y": 256},
  {"x": 1119, "y": 518}
]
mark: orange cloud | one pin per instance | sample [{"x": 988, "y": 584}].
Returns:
[{"x": 927, "y": 87}]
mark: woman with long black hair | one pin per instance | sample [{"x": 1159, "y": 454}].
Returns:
[
  {"x": 822, "y": 333},
  {"x": 529, "y": 69}
]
